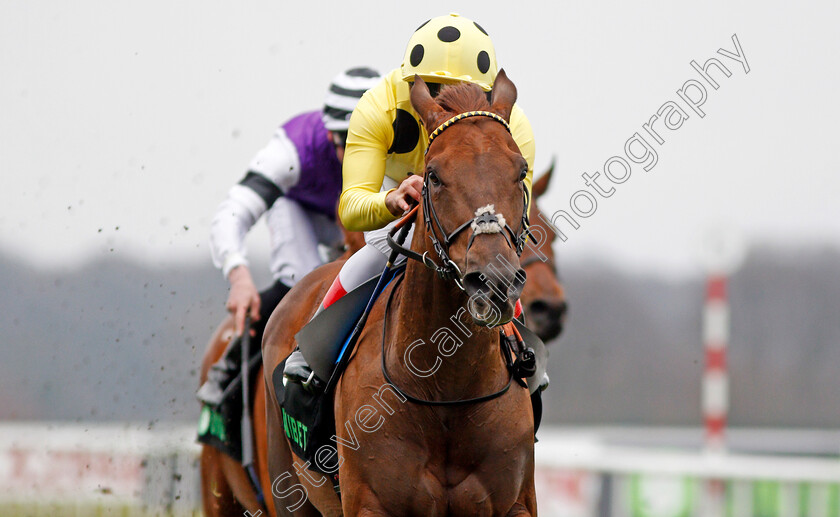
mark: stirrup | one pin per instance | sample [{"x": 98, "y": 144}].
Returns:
[{"x": 312, "y": 383}]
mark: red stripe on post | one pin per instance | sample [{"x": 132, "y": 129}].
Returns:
[
  {"x": 715, "y": 358},
  {"x": 716, "y": 288},
  {"x": 715, "y": 425}
]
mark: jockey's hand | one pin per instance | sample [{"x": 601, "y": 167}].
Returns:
[
  {"x": 243, "y": 298},
  {"x": 397, "y": 201}
]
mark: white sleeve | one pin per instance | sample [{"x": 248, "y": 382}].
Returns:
[
  {"x": 278, "y": 161},
  {"x": 234, "y": 217},
  {"x": 273, "y": 171}
]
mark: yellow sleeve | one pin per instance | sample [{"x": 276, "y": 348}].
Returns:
[
  {"x": 362, "y": 205},
  {"x": 523, "y": 135}
]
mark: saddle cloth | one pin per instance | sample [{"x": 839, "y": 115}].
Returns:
[
  {"x": 326, "y": 343},
  {"x": 219, "y": 424}
]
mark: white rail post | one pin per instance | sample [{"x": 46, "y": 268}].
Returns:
[
  {"x": 723, "y": 252},
  {"x": 715, "y": 375}
]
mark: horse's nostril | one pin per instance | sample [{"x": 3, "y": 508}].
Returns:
[
  {"x": 517, "y": 284},
  {"x": 474, "y": 282},
  {"x": 538, "y": 307},
  {"x": 548, "y": 309}
]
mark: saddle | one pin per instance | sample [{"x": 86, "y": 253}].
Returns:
[{"x": 324, "y": 339}]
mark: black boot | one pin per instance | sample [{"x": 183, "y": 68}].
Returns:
[
  {"x": 220, "y": 375},
  {"x": 297, "y": 370}
]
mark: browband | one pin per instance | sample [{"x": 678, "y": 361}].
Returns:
[{"x": 462, "y": 116}]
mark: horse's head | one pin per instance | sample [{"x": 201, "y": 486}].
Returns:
[
  {"x": 474, "y": 195},
  {"x": 543, "y": 297}
]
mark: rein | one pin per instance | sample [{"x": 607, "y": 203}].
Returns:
[{"x": 426, "y": 402}]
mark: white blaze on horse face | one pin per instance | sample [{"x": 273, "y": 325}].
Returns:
[{"x": 495, "y": 225}]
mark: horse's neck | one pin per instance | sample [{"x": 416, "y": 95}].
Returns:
[{"x": 463, "y": 357}]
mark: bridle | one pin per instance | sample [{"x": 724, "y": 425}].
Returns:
[{"x": 447, "y": 269}]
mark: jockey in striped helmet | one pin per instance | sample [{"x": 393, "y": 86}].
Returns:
[
  {"x": 345, "y": 91},
  {"x": 294, "y": 182}
]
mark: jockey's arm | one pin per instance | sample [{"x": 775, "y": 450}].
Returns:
[
  {"x": 234, "y": 217},
  {"x": 362, "y": 205},
  {"x": 274, "y": 169},
  {"x": 523, "y": 135}
]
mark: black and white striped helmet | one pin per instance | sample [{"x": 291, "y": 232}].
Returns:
[{"x": 345, "y": 91}]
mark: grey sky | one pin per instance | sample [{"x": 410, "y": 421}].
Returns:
[{"x": 140, "y": 116}]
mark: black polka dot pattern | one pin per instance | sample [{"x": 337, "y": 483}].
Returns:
[
  {"x": 416, "y": 55},
  {"x": 406, "y": 133},
  {"x": 448, "y": 34},
  {"x": 424, "y": 24},
  {"x": 483, "y": 62},
  {"x": 477, "y": 26}
]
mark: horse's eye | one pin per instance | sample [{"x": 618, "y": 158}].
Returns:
[
  {"x": 433, "y": 178},
  {"x": 523, "y": 174}
]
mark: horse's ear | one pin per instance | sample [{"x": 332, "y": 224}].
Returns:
[
  {"x": 503, "y": 95},
  {"x": 425, "y": 106},
  {"x": 541, "y": 185}
]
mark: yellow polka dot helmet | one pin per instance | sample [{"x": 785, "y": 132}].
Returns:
[{"x": 450, "y": 49}]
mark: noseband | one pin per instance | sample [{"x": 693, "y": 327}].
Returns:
[{"x": 484, "y": 221}]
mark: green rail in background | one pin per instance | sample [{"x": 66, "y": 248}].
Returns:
[{"x": 664, "y": 496}]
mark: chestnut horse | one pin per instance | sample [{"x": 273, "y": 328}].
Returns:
[
  {"x": 396, "y": 456},
  {"x": 543, "y": 297}
]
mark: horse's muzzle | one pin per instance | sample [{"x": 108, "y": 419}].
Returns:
[
  {"x": 493, "y": 294},
  {"x": 546, "y": 317}
]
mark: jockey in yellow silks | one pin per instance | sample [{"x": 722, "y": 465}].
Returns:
[{"x": 386, "y": 144}]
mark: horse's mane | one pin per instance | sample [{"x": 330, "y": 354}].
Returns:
[{"x": 461, "y": 97}]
